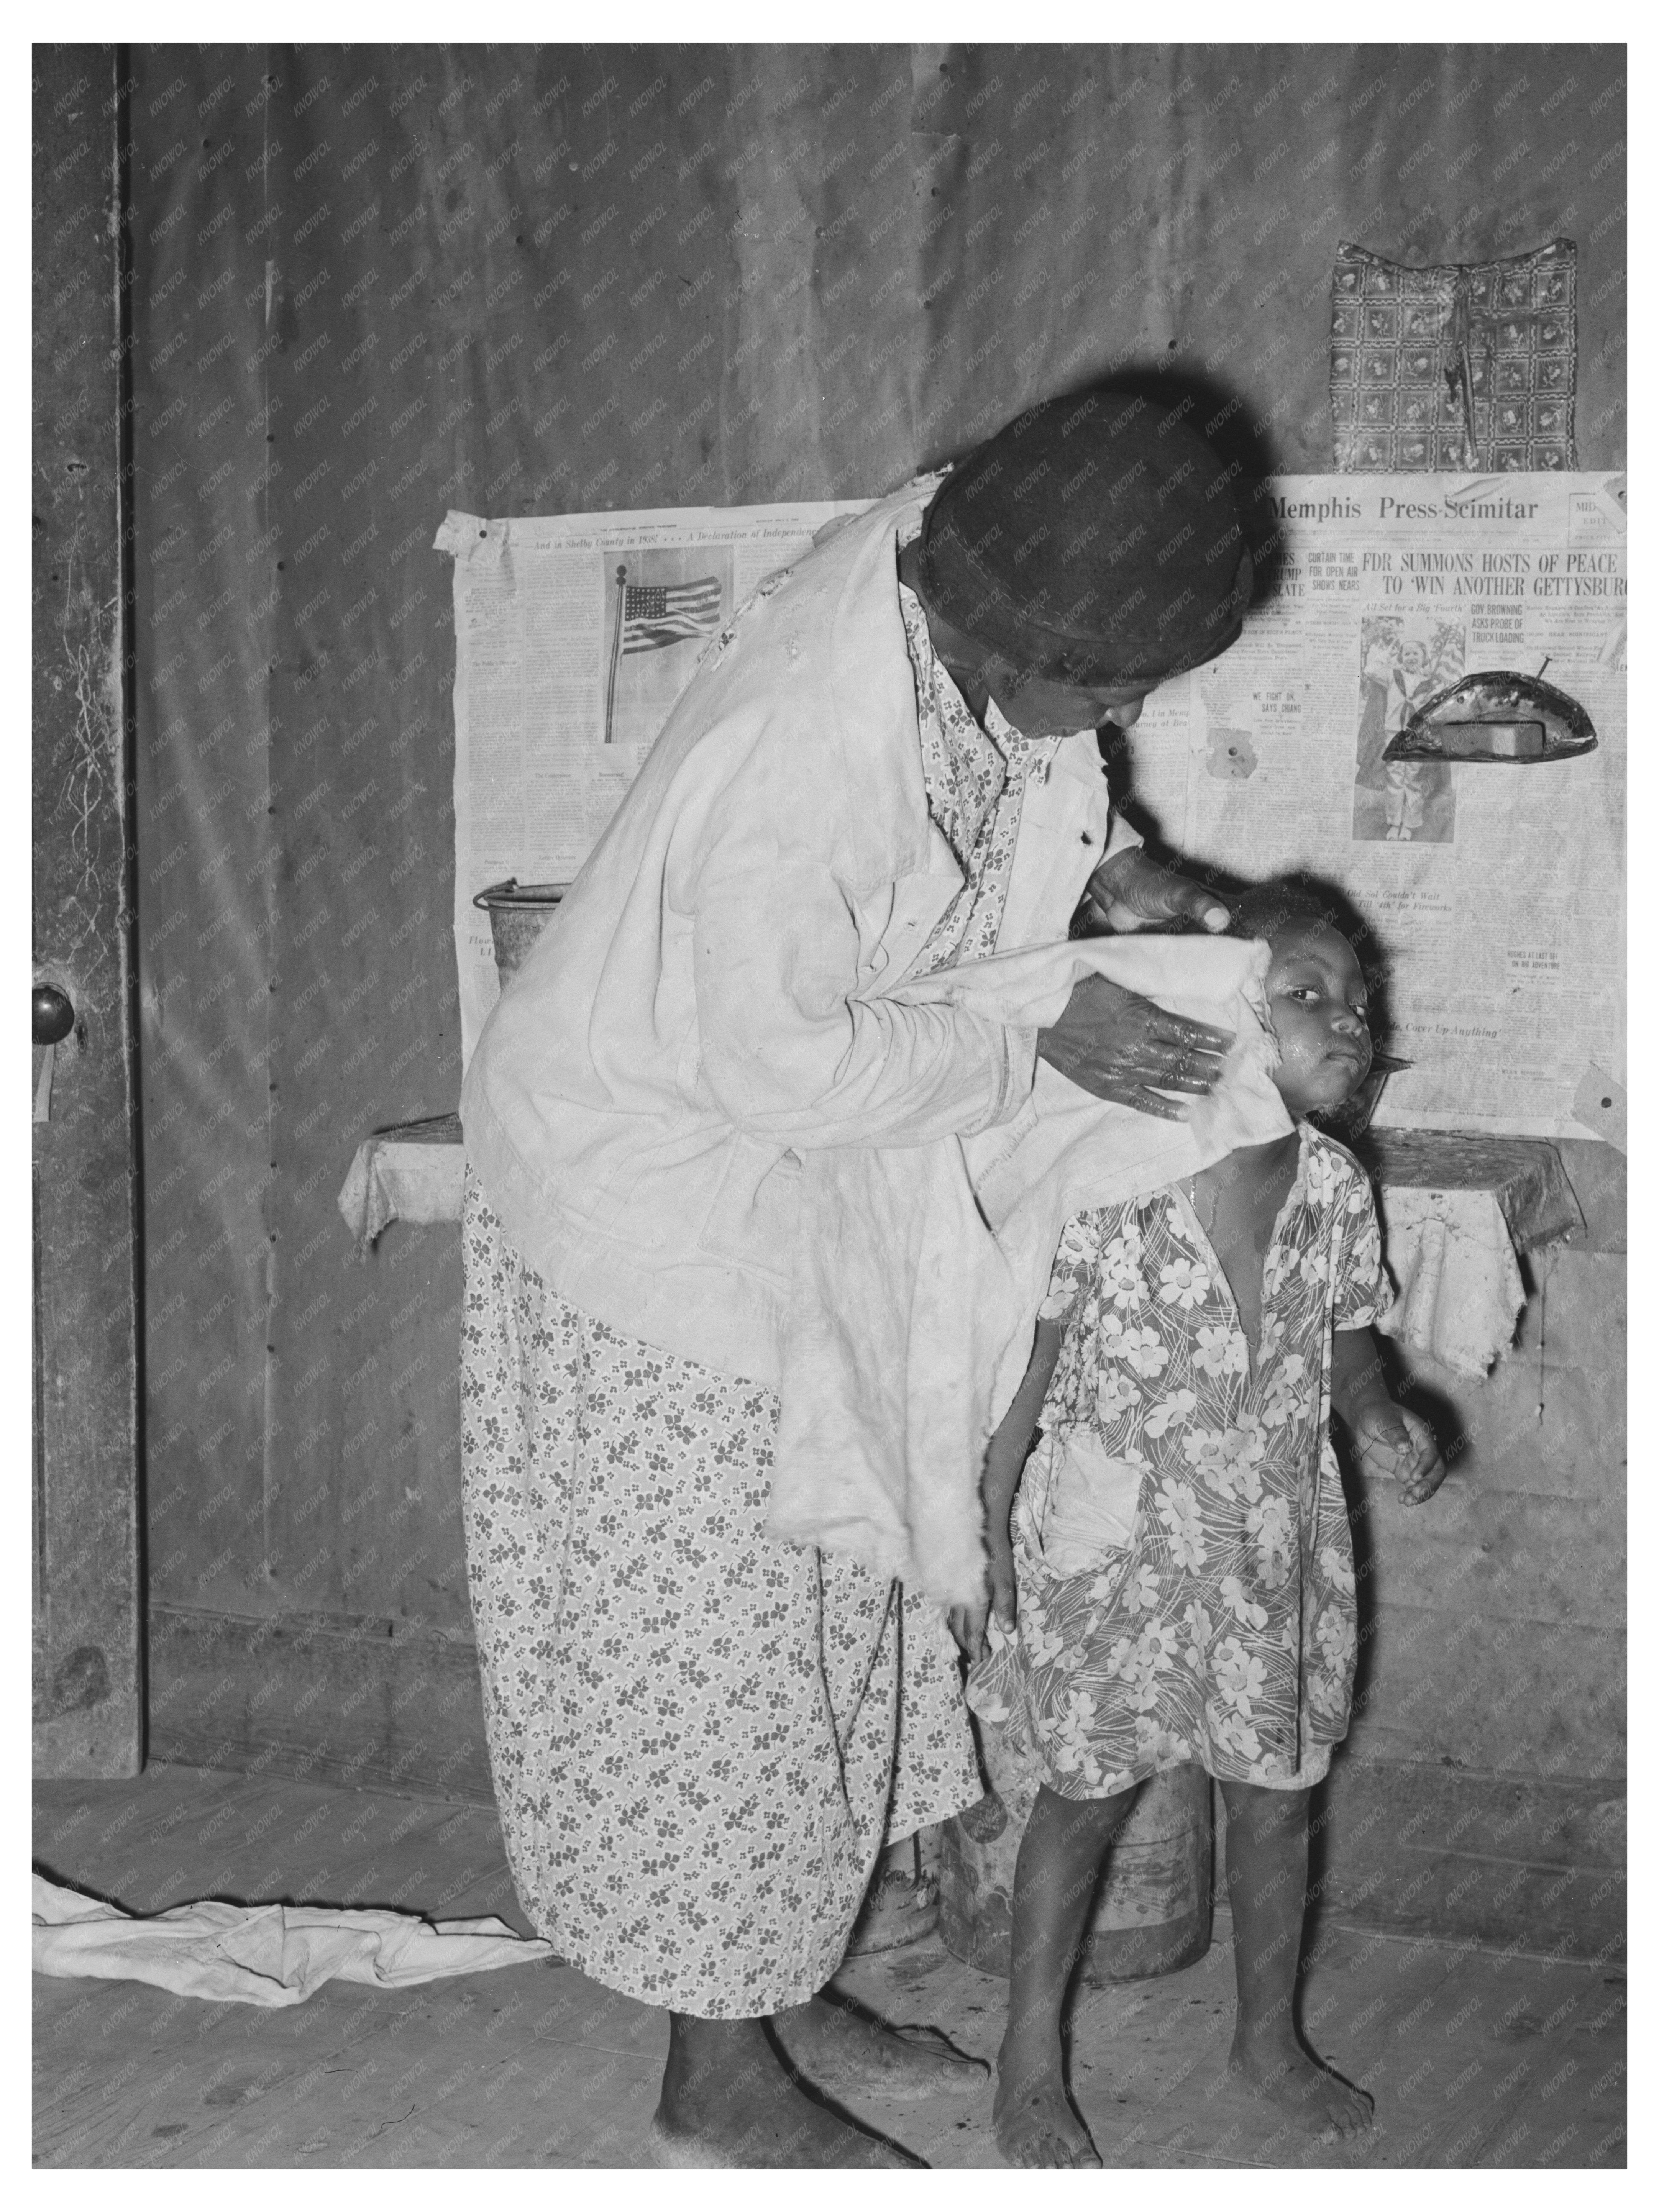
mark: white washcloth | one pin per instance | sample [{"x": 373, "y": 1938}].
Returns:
[
  {"x": 919, "y": 1271},
  {"x": 262, "y": 1955}
]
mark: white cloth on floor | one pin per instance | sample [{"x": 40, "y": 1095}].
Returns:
[
  {"x": 920, "y": 1270},
  {"x": 262, "y": 1955},
  {"x": 1460, "y": 1292}
]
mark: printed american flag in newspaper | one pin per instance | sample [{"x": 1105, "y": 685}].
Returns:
[{"x": 664, "y": 614}]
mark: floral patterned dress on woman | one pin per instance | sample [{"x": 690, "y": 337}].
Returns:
[
  {"x": 1182, "y": 1545},
  {"x": 700, "y": 1738}
]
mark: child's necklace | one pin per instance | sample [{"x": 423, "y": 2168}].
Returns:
[{"x": 1204, "y": 1207}]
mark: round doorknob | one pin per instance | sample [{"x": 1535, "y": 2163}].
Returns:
[{"x": 53, "y": 1016}]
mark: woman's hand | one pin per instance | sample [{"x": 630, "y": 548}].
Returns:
[
  {"x": 967, "y": 1621},
  {"x": 1113, "y": 1042},
  {"x": 1134, "y": 892},
  {"x": 1394, "y": 1444},
  {"x": 1117, "y": 1045}
]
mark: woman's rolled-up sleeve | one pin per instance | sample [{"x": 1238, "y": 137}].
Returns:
[{"x": 789, "y": 1052}]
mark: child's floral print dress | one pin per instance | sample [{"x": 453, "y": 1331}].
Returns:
[{"x": 1185, "y": 1568}]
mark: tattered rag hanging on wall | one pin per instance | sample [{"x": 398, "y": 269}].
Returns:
[{"x": 1468, "y": 365}]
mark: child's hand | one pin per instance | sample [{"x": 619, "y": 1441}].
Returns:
[
  {"x": 1394, "y": 1444},
  {"x": 967, "y": 1621}
]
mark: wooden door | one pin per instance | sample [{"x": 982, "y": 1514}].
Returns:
[{"x": 88, "y": 1676}]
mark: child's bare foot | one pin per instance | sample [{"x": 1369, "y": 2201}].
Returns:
[
  {"x": 727, "y": 2101},
  {"x": 1035, "y": 2120},
  {"x": 1300, "y": 2085},
  {"x": 840, "y": 2047}
]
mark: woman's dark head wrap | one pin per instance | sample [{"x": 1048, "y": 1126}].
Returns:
[{"x": 1095, "y": 540}]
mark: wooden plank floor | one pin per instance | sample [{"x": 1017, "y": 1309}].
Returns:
[{"x": 1476, "y": 2058}]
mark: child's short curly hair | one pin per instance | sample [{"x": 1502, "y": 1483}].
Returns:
[{"x": 1282, "y": 903}]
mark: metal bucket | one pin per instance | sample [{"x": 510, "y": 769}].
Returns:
[
  {"x": 518, "y": 914},
  {"x": 1151, "y": 1911}
]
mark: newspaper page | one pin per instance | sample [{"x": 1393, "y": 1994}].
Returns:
[
  {"x": 1495, "y": 888},
  {"x": 574, "y": 635}
]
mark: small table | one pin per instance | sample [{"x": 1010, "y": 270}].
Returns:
[
  {"x": 409, "y": 1172},
  {"x": 1523, "y": 1174},
  {"x": 1457, "y": 1212}
]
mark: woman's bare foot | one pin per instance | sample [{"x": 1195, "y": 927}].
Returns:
[
  {"x": 1300, "y": 2085},
  {"x": 841, "y": 2047},
  {"x": 728, "y": 2101},
  {"x": 1035, "y": 2120}
]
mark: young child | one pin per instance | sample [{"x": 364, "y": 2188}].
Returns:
[{"x": 1180, "y": 1547}]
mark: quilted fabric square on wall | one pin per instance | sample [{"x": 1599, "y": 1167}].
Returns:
[{"x": 1455, "y": 366}]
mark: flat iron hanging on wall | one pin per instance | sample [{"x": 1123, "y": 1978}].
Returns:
[{"x": 1495, "y": 715}]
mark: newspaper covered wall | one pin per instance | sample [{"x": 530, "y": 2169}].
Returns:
[
  {"x": 574, "y": 635},
  {"x": 1495, "y": 888}
]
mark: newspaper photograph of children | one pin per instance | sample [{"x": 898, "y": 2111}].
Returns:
[
  {"x": 1405, "y": 656},
  {"x": 663, "y": 606}
]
